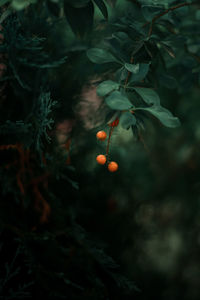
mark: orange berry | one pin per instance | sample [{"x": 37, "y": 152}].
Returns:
[
  {"x": 114, "y": 123},
  {"x": 112, "y": 166},
  {"x": 101, "y": 135},
  {"x": 101, "y": 159}
]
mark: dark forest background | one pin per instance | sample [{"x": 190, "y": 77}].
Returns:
[{"x": 69, "y": 228}]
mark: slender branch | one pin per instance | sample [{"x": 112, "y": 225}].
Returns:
[
  {"x": 129, "y": 74},
  {"x": 108, "y": 144},
  {"x": 112, "y": 127},
  {"x": 166, "y": 12}
]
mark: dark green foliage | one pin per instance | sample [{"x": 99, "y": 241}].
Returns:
[
  {"x": 106, "y": 87},
  {"x": 116, "y": 100},
  {"x": 80, "y": 18},
  {"x": 68, "y": 225},
  {"x": 54, "y": 8},
  {"x": 100, "y": 56},
  {"x": 101, "y": 5},
  {"x": 127, "y": 120},
  {"x": 41, "y": 113},
  {"x": 9, "y": 274}
]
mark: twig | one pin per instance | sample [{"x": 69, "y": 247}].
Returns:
[
  {"x": 129, "y": 74},
  {"x": 108, "y": 144},
  {"x": 166, "y": 12}
]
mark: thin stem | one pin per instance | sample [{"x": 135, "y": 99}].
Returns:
[
  {"x": 129, "y": 73},
  {"x": 166, "y": 12},
  {"x": 112, "y": 128},
  {"x": 108, "y": 144}
]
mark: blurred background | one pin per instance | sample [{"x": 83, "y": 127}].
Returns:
[
  {"x": 146, "y": 215},
  {"x": 148, "y": 211}
]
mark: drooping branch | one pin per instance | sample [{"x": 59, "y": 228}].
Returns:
[{"x": 166, "y": 12}]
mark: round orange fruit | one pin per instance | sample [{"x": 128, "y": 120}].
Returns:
[
  {"x": 101, "y": 159},
  {"x": 112, "y": 166},
  {"x": 101, "y": 135}
]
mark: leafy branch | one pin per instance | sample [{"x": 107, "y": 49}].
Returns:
[{"x": 166, "y": 12}]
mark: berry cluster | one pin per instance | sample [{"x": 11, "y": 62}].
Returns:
[{"x": 101, "y": 158}]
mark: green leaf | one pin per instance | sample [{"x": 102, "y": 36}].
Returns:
[
  {"x": 163, "y": 115},
  {"x": 80, "y": 18},
  {"x": 132, "y": 68},
  {"x": 127, "y": 119},
  {"x": 168, "y": 49},
  {"x": 148, "y": 95},
  {"x": 106, "y": 87},
  {"x": 141, "y": 74},
  {"x": 100, "y": 56},
  {"x": 121, "y": 36},
  {"x": 121, "y": 74},
  {"x": 101, "y": 5},
  {"x": 118, "y": 101}
]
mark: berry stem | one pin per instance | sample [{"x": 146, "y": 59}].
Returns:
[
  {"x": 129, "y": 73},
  {"x": 108, "y": 144}
]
